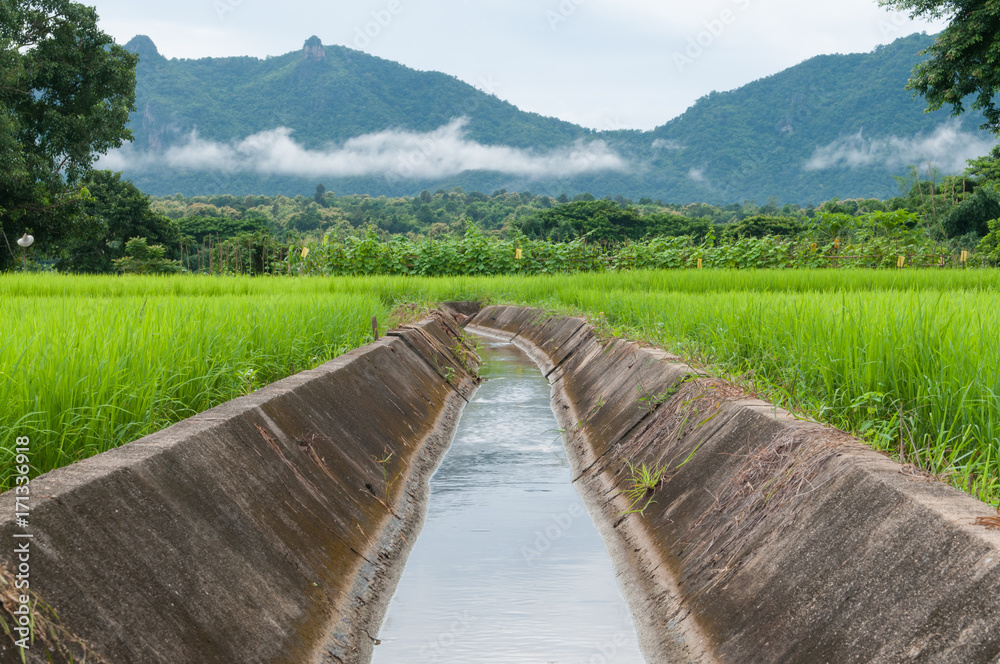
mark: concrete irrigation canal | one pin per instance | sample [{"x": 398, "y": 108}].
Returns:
[
  {"x": 508, "y": 566},
  {"x": 277, "y": 527}
]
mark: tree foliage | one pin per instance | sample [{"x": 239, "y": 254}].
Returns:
[
  {"x": 600, "y": 221},
  {"x": 965, "y": 59},
  {"x": 225, "y": 232},
  {"x": 971, "y": 217},
  {"x": 761, "y": 225},
  {"x": 115, "y": 212},
  {"x": 143, "y": 258},
  {"x": 986, "y": 168},
  {"x": 66, "y": 90},
  {"x": 199, "y": 227}
]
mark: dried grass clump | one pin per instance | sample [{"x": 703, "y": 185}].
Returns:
[{"x": 58, "y": 643}]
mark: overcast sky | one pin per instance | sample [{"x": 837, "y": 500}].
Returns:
[{"x": 606, "y": 64}]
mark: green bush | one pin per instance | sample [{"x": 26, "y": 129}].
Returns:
[
  {"x": 989, "y": 247},
  {"x": 142, "y": 258}
]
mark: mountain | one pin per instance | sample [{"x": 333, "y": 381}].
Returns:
[
  {"x": 323, "y": 94},
  {"x": 835, "y": 125},
  {"x": 850, "y": 113}
]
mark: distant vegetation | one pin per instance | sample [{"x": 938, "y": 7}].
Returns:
[
  {"x": 750, "y": 143},
  {"x": 954, "y": 208},
  {"x": 933, "y": 220}
]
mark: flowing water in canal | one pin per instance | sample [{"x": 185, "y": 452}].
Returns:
[{"x": 509, "y": 567}]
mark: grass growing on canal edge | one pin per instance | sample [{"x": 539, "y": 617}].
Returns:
[
  {"x": 907, "y": 360},
  {"x": 642, "y": 482}
]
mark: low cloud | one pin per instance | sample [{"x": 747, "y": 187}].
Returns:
[
  {"x": 948, "y": 148},
  {"x": 697, "y": 174},
  {"x": 393, "y": 154},
  {"x": 664, "y": 144}
]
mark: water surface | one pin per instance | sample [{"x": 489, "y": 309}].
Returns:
[{"x": 509, "y": 567}]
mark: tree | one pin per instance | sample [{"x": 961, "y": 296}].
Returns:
[
  {"x": 964, "y": 59},
  {"x": 989, "y": 246},
  {"x": 66, "y": 91},
  {"x": 198, "y": 227},
  {"x": 972, "y": 215},
  {"x": 987, "y": 168},
  {"x": 307, "y": 220},
  {"x": 761, "y": 225},
  {"x": 143, "y": 258},
  {"x": 318, "y": 196},
  {"x": 601, "y": 221},
  {"x": 115, "y": 213},
  {"x": 675, "y": 225}
]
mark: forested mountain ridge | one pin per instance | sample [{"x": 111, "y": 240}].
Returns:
[
  {"x": 323, "y": 94},
  {"x": 762, "y": 136},
  {"x": 836, "y": 125}
]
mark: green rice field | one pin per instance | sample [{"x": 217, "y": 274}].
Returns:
[
  {"x": 907, "y": 360},
  {"x": 87, "y": 364}
]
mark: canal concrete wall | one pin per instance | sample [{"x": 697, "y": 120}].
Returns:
[
  {"x": 769, "y": 538},
  {"x": 269, "y": 529}
]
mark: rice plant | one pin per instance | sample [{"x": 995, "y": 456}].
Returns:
[{"x": 87, "y": 364}]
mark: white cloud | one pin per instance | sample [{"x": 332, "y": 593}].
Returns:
[
  {"x": 697, "y": 174},
  {"x": 948, "y": 148},
  {"x": 394, "y": 154},
  {"x": 664, "y": 144}
]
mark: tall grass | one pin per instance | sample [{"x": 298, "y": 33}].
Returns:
[
  {"x": 87, "y": 364},
  {"x": 905, "y": 359},
  {"x": 912, "y": 372}
]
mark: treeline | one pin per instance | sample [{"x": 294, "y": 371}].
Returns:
[
  {"x": 432, "y": 215},
  {"x": 954, "y": 208},
  {"x": 252, "y": 234}
]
